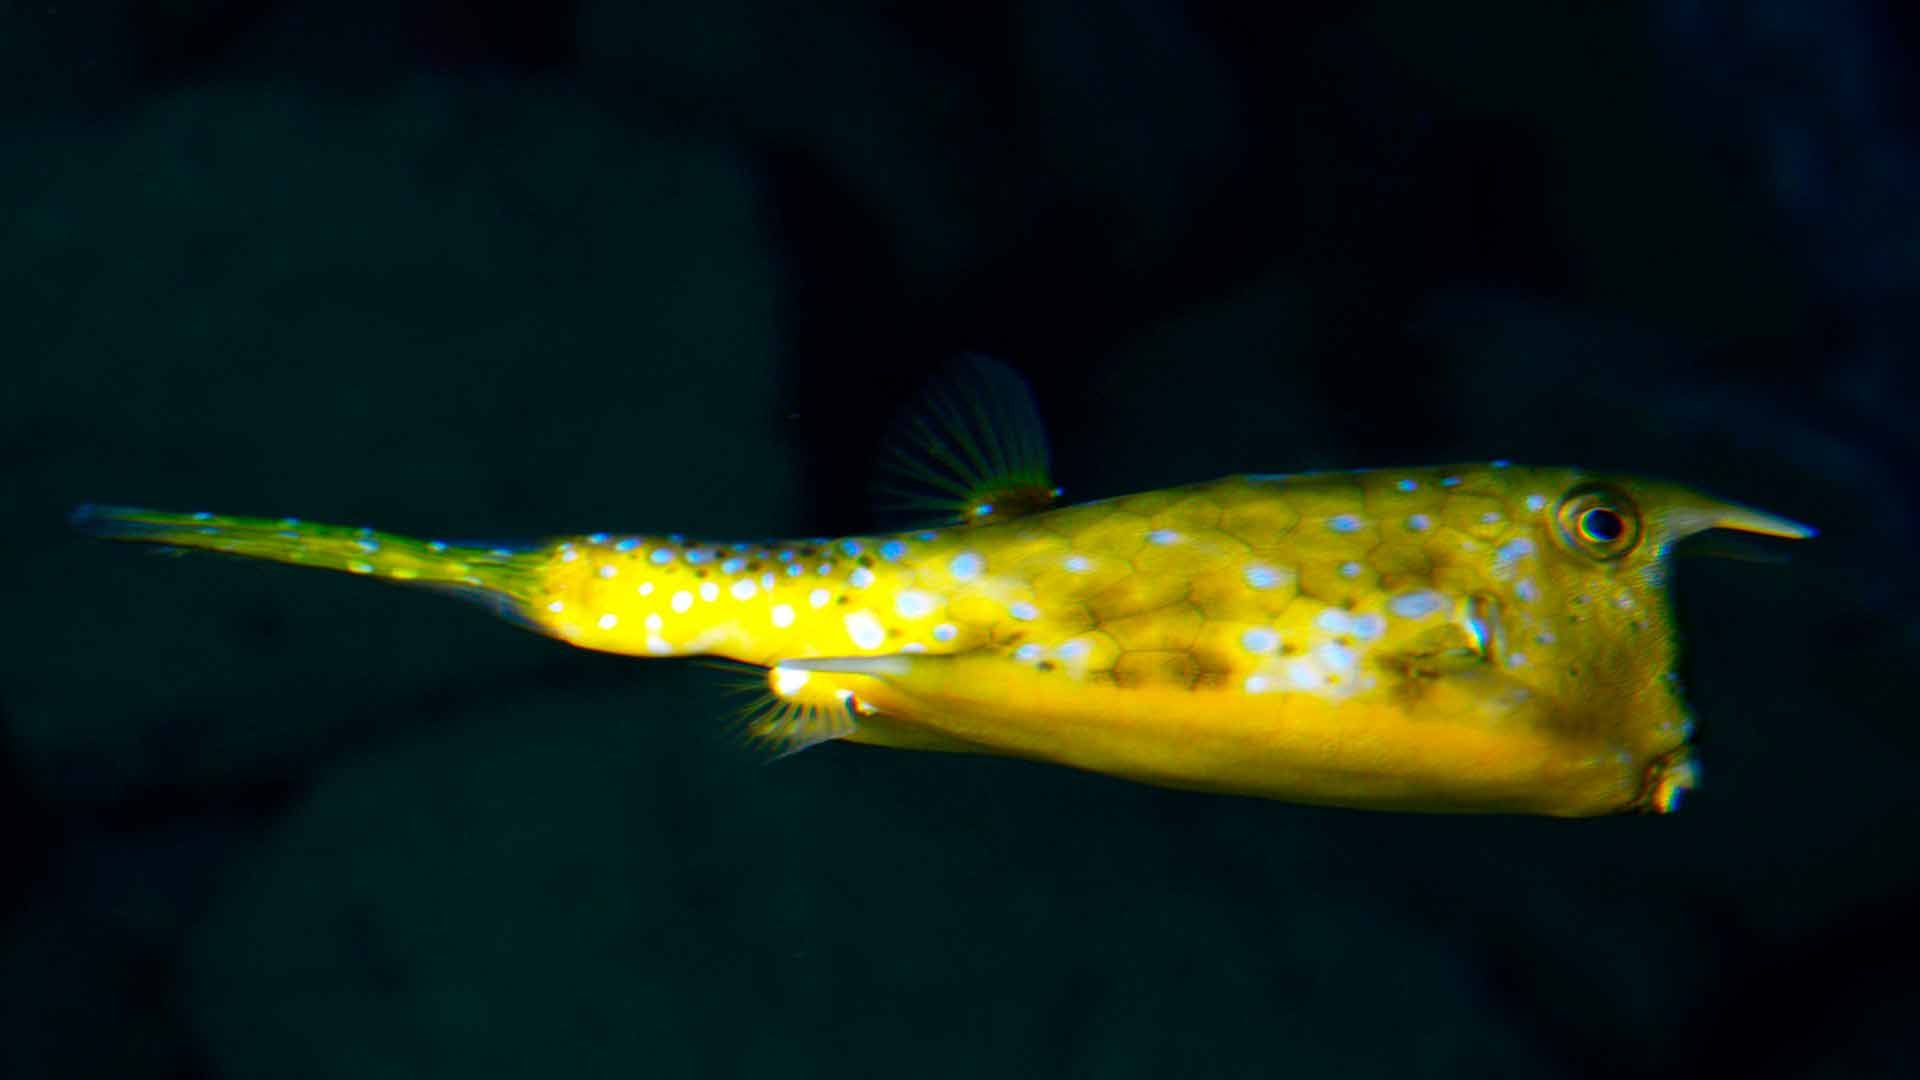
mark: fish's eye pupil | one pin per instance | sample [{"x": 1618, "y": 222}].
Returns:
[{"x": 1602, "y": 525}]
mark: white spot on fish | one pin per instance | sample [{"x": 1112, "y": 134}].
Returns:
[
  {"x": 892, "y": 550},
  {"x": 1449, "y": 481},
  {"x": 660, "y": 556},
  {"x": 850, "y": 548},
  {"x": 654, "y": 623},
  {"x": 609, "y": 621},
  {"x": 1516, "y": 659},
  {"x": 1337, "y": 658},
  {"x": 607, "y": 570},
  {"x": 1262, "y": 576},
  {"x": 1333, "y": 621},
  {"x": 1349, "y": 569},
  {"x": 1490, "y": 517},
  {"x": 1303, "y": 674},
  {"x": 1419, "y": 523},
  {"x": 1524, "y": 591},
  {"x": 865, "y": 630},
  {"x": 1023, "y": 611},
  {"x": 782, "y": 615},
  {"x": 1079, "y": 564},
  {"x": 743, "y": 590},
  {"x": 1074, "y": 650},
  {"x": 1259, "y": 639},
  {"x": 1257, "y": 684},
  {"x": 697, "y": 556},
  {"x": 819, "y": 598},
  {"x": 912, "y": 605},
  {"x": 1536, "y": 503},
  {"x": 1028, "y": 652},
  {"x": 788, "y": 682},
  {"x": 1546, "y": 638},
  {"x": 358, "y": 567},
  {"x": 766, "y": 581},
  {"x": 1406, "y": 485},
  {"x": 1517, "y": 548},
  {"x": 556, "y": 607},
  {"x": 946, "y": 631},
  {"x": 626, "y": 545},
  {"x": 1368, "y": 627},
  {"x": 709, "y": 591},
  {"x": 1416, "y": 605},
  {"x": 1163, "y": 537},
  {"x": 645, "y": 588},
  {"x": 682, "y": 601},
  {"x": 860, "y": 578},
  {"x": 965, "y": 566},
  {"x": 1343, "y": 523}
]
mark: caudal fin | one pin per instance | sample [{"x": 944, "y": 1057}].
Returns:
[{"x": 504, "y": 576}]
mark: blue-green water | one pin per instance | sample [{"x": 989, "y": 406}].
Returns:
[{"x": 476, "y": 271}]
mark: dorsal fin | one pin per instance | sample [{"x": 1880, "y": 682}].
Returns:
[{"x": 971, "y": 449}]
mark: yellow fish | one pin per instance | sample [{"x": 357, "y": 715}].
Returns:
[{"x": 1471, "y": 638}]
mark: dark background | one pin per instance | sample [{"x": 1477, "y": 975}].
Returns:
[{"x": 499, "y": 270}]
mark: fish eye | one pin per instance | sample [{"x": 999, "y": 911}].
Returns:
[
  {"x": 1599, "y": 520},
  {"x": 1602, "y": 525}
]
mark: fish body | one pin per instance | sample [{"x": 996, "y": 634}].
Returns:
[{"x": 1473, "y": 638}]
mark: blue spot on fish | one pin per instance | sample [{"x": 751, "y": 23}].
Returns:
[{"x": 1416, "y": 605}]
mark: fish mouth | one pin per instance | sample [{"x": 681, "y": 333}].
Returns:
[{"x": 1668, "y": 779}]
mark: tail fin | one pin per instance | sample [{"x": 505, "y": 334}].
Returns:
[{"x": 504, "y": 577}]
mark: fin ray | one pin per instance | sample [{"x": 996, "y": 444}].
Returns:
[{"x": 971, "y": 449}]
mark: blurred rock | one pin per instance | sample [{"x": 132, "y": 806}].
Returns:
[
  {"x": 1135, "y": 115},
  {"x": 590, "y": 887},
  {"x": 89, "y": 963},
  {"x": 846, "y": 89},
  {"x": 1222, "y": 387},
  {"x": 59, "y": 60}
]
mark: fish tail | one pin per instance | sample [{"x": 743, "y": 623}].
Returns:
[{"x": 505, "y": 576}]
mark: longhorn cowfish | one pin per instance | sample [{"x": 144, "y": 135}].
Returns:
[{"x": 1465, "y": 638}]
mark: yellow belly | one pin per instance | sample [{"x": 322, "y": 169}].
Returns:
[{"x": 1453, "y": 753}]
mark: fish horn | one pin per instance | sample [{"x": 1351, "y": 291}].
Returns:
[{"x": 1698, "y": 514}]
